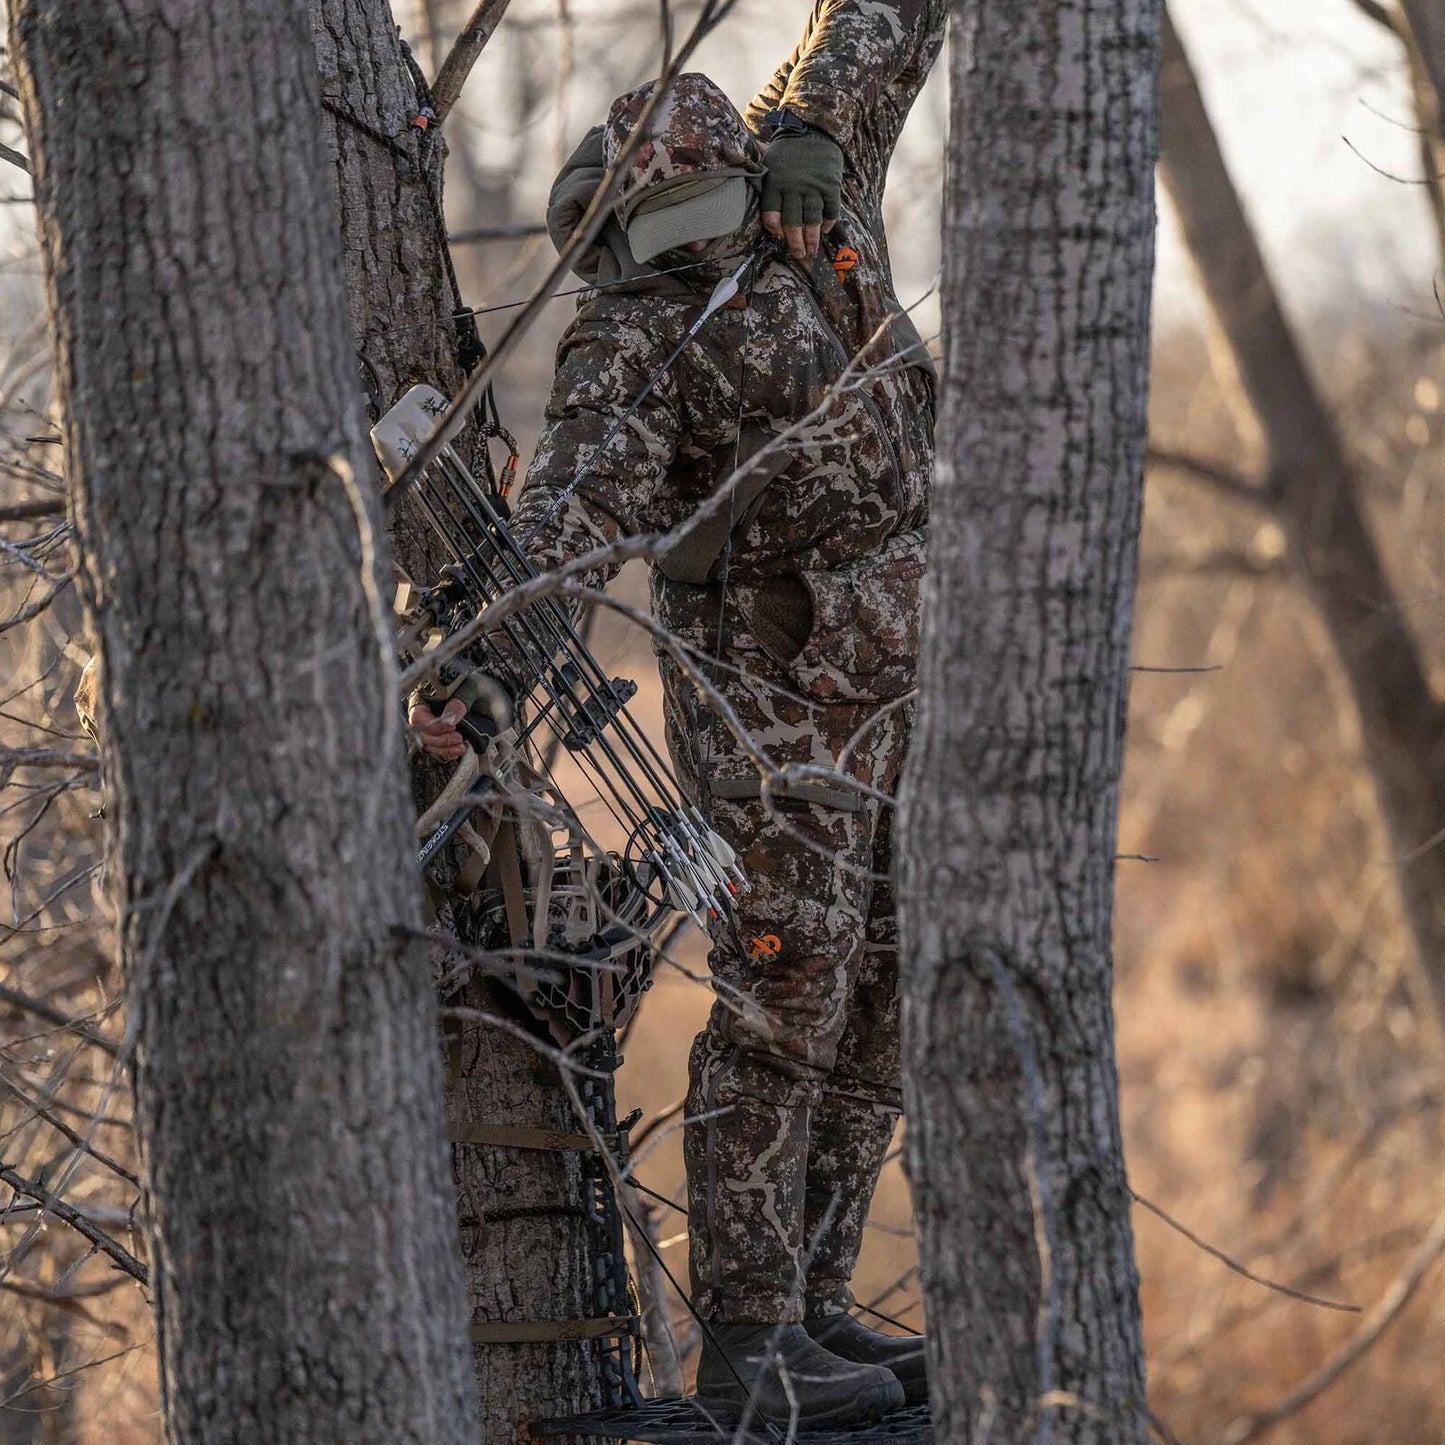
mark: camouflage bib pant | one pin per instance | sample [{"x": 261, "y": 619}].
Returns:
[{"x": 794, "y": 1081}]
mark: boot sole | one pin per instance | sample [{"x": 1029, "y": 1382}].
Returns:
[{"x": 867, "y": 1405}]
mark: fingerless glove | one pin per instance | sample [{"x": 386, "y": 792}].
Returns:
[{"x": 804, "y": 180}]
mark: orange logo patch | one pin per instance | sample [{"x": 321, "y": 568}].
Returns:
[
  {"x": 844, "y": 261},
  {"x": 768, "y": 945}
]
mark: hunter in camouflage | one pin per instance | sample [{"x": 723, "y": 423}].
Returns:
[{"x": 808, "y": 602}]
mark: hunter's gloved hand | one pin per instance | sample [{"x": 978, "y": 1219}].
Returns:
[{"x": 802, "y": 189}]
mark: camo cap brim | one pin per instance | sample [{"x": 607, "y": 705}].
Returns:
[
  {"x": 696, "y": 211},
  {"x": 696, "y": 160}
]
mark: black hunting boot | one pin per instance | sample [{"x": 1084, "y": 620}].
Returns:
[
  {"x": 902, "y": 1355},
  {"x": 779, "y": 1368}
]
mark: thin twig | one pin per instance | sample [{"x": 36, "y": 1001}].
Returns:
[
  {"x": 642, "y": 1135},
  {"x": 1390, "y": 175},
  {"x": 68, "y": 1214},
  {"x": 1236, "y": 1266},
  {"x": 1218, "y": 475},
  {"x": 512, "y": 231},
  {"x": 1191, "y": 1346},
  {"x": 1371, "y": 1328},
  {"x": 1139, "y": 667},
  {"x": 51, "y": 1014},
  {"x": 73, "y": 1370}
]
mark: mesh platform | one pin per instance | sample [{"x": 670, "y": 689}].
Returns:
[{"x": 685, "y": 1422}]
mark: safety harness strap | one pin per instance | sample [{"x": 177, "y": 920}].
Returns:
[
  {"x": 516, "y": 1136},
  {"x": 693, "y": 559}
]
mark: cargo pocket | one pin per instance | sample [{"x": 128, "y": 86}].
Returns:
[{"x": 863, "y": 646}]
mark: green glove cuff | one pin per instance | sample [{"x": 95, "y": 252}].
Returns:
[{"x": 804, "y": 178}]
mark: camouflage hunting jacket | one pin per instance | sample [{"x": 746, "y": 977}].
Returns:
[{"x": 822, "y": 545}]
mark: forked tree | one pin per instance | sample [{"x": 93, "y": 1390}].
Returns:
[{"x": 1009, "y": 813}]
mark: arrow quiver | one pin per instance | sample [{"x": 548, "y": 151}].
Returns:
[{"x": 574, "y": 913}]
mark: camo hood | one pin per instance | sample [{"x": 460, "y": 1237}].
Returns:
[{"x": 695, "y": 136}]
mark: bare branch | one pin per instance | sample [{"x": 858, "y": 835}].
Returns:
[
  {"x": 16, "y": 158},
  {"x": 61, "y": 1127},
  {"x": 1236, "y": 1266},
  {"x": 1221, "y": 477},
  {"x": 29, "y": 511},
  {"x": 46, "y": 758},
  {"x": 1141, "y": 667},
  {"x": 74, "y": 1370},
  {"x": 1429, "y": 179},
  {"x": 464, "y": 54},
  {"x": 68, "y": 1214},
  {"x": 51, "y": 1014},
  {"x": 512, "y": 231},
  {"x": 89, "y": 1290},
  {"x": 1380, "y": 14},
  {"x": 1226, "y": 562},
  {"x": 1371, "y": 1328}
]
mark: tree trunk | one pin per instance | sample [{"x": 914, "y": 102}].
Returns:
[
  {"x": 1426, "y": 19},
  {"x": 1009, "y": 812},
  {"x": 288, "y": 1083},
  {"x": 528, "y": 1252},
  {"x": 1313, "y": 489},
  {"x": 388, "y": 178},
  {"x": 1430, "y": 114}
]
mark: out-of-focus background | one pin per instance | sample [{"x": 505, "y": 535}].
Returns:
[{"x": 1282, "y": 1097}]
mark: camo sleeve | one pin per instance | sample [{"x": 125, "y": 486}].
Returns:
[
  {"x": 855, "y": 75},
  {"x": 584, "y": 490}
]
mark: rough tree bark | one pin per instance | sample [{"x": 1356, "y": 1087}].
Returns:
[
  {"x": 1009, "y": 811},
  {"x": 288, "y": 1083},
  {"x": 527, "y": 1251},
  {"x": 1313, "y": 491}
]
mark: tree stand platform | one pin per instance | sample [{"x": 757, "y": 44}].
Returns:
[{"x": 686, "y": 1422}]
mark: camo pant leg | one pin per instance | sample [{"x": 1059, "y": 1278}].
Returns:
[
  {"x": 786, "y": 972},
  {"x": 853, "y": 1123}
]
